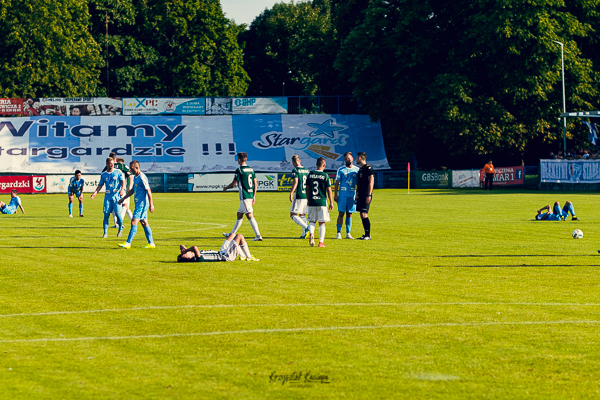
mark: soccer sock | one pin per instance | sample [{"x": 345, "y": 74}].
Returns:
[
  {"x": 311, "y": 228},
  {"x": 148, "y": 232},
  {"x": 122, "y": 214},
  {"x": 237, "y": 225},
  {"x": 105, "y": 223},
  {"x": 305, "y": 220},
  {"x": 70, "y": 208},
  {"x": 322, "y": 229},
  {"x": 571, "y": 209},
  {"x": 129, "y": 214},
  {"x": 348, "y": 224},
  {"x": 367, "y": 225},
  {"x": 246, "y": 250},
  {"x": 81, "y": 209},
  {"x": 115, "y": 217},
  {"x": 132, "y": 233},
  {"x": 119, "y": 222},
  {"x": 254, "y": 226},
  {"x": 339, "y": 228},
  {"x": 299, "y": 221}
]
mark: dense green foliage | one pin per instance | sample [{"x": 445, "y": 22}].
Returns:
[
  {"x": 291, "y": 48},
  {"x": 475, "y": 76},
  {"x": 46, "y": 49},
  {"x": 69, "y": 48},
  {"x": 440, "y": 305}
]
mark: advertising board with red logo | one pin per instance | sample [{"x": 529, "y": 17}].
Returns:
[
  {"x": 506, "y": 176},
  {"x": 23, "y": 184},
  {"x": 11, "y": 106}
]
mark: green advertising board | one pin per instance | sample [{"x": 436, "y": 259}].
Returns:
[{"x": 434, "y": 179}]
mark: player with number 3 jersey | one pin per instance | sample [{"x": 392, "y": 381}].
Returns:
[{"x": 318, "y": 190}]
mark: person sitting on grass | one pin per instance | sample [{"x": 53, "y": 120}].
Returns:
[
  {"x": 556, "y": 214},
  {"x": 234, "y": 245},
  {"x": 11, "y": 208}
]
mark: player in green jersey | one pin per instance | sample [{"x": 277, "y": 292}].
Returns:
[
  {"x": 318, "y": 190},
  {"x": 299, "y": 207},
  {"x": 245, "y": 179},
  {"x": 364, "y": 192}
]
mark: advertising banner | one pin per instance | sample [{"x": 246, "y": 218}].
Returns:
[
  {"x": 72, "y": 106},
  {"x": 23, "y": 184},
  {"x": 216, "y": 182},
  {"x": 164, "y": 106},
  {"x": 11, "y": 106},
  {"x": 246, "y": 105},
  {"x": 570, "y": 171},
  {"x": 465, "y": 178},
  {"x": 506, "y": 176},
  {"x": 60, "y": 183},
  {"x": 433, "y": 179},
  {"x": 186, "y": 144}
]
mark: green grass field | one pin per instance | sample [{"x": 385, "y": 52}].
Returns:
[{"x": 461, "y": 295}]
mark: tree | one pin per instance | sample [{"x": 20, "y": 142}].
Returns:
[
  {"x": 46, "y": 49},
  {"x": 291, "y": 48},
  {"x": 170, "y": 48},
  {"x": 474, "y": 77}
]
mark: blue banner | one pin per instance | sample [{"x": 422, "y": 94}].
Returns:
[{"x": 186, "y": 144}]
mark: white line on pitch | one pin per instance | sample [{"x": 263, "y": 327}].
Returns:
[
  {"x": 294, "y": 330},
  {"x": 293, "y": 305}
]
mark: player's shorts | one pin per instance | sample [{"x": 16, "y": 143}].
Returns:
[
  {"x": 141, "y": 211},
  {"x": 126, "y": 202},
  {"x": 76, "y": 194},
  {"x": 361, "y": 205},
  {"x": 246, "y": 206},
  {"x": 230, "y": 250},
  {"x": 299, "y": 206},
  {"x": 318, "y": 214},
  {"x": 111, "y": 204},
  {"x": 8, "y": 210},
  {"x": 346, "y": 204}
]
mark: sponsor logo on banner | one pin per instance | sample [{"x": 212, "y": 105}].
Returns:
[
  {"x": 506, "y": 176},
  {"x": 284, "y": 182},
  {"x": 568, "y": 171},
  {"x": 163, "y": 106},
  {"x": 467, "y": 178},
  {"x": 74, "y": 106},
  {"x": 23, "y": 184},
  {"x": 39, "y": 183},
  {"x": 433, "y": 179},
  {"x": 266, "y": 182},
  {"x": 11, "y": 106},
  {"x": 321, "y": 140}
]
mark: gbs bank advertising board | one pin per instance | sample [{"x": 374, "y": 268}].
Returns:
[{"x": 185, "y": 144}]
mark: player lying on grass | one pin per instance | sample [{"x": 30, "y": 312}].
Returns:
[
  {"x": 11, "y": 208},
  {"x": 556, "y": 214},
  {"x": 234, "y": 245}
]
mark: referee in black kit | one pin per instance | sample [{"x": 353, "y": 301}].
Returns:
[{"x": 364, "y": 192}]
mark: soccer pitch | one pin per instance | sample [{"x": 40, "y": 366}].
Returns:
[{"x": 460, "y": 295}]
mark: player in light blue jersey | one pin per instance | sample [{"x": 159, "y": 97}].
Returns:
[
  {"x": 344, "y": 194},
  {"x": 75, "y": 189},
  {"x": 556, "y": 213},
  {"x": 143, "y": 202},
  {"x": 115, "y": 189},
  {"x": 15, "y": 202}
]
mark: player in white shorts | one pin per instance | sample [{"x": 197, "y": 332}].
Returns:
[
  {"x": 299, "y": 207},
  {"x": 319, "y": 191},
  {"x": 234, "y": 245}
]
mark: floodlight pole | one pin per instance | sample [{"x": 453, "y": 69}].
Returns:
[{"x": 562, "y": 57}]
